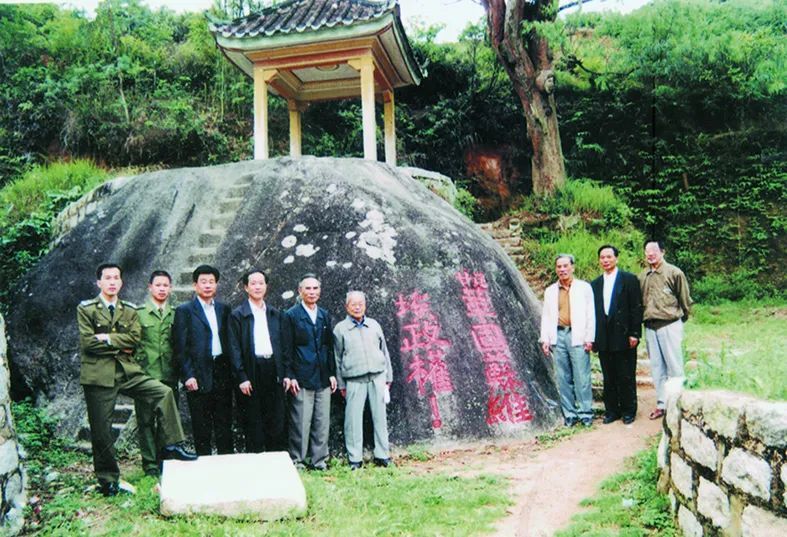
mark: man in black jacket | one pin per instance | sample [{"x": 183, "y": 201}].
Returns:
[
  {"x": 199, "y": 341},
  {"x": 256, "y": 357},
  {"x": 618, "y": 304},
  {"x": 309, "y": 374}
]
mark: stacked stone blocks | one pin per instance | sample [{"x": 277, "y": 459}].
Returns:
[
  {"x": 12, "y": 476},
  {"x": 723, "y": 464}
]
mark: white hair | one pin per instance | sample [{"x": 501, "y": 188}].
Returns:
[{"x": 354, "y": 292}]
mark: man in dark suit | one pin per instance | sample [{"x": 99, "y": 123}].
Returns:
[
  {"x": 199, "y": 337},
  {"x": 256, "y": 357},
  {"x": 618, "y": 304},
  {"x": 309, "y": 374}
]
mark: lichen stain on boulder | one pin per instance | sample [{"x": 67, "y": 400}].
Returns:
[{"x": 461, "y": 323}]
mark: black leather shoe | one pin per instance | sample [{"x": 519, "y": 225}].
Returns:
[
  {"x": 177, "y": 453},
  {"x": 108, "y": 489},
  {"x": 383, "y": 463},
  {"x": 355, "y": 466},
  {"x": 609, "y": 419},
  {"x": 628, "y": 420}
]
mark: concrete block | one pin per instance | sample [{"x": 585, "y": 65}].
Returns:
[
  {"x": 748, "y": 473},
  {"x": 263, "y": 486},
  {"x": 688, "y": 523},
  {"x": 682, "y": 476},
  {"x": 760, "y": 523},
  {"x": 713, "y": 503},
  {"x": 767, "y": 422},
  {"x": 698, "y": 446},
  {"x": 722, "y": 411}
]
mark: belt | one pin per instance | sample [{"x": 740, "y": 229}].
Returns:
[{"x": 563, "y": 328}]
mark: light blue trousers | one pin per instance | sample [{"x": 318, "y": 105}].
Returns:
[
  {"x": 357, "y": 394},
  {"x": 573, "y": 377},
  {"x": 666, "y": 355}
]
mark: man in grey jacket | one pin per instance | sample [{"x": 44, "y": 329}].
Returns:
[{"x": 363, "y": 371}]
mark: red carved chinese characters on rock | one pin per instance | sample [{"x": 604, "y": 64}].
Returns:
[
  {"x": 421, "y": 342},
  {"x": 506, "y": 403}
]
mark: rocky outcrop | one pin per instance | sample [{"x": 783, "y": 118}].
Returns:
[
  {"x": 12, "y": 475},
  {"x": 460, "y": 321},
  {"x": 722, "y": 460}
]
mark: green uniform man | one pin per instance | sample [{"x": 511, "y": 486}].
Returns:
[
  {"x": 154, "y": 355},
  {"x": 109, "y": 332}
]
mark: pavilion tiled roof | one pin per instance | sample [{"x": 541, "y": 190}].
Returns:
[{"x": 298, "y": 16}]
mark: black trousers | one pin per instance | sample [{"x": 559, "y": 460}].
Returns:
[
  {"x": 619, "y": 369},
  {"x": 211, "y": 412},
  {"x": 264, "y": 417}
]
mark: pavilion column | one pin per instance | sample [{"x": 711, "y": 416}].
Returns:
[
  {"x": 261, "y": 78},
  {"x": 389, "y": 128},
  {"x": 296, "y": 135},
  {"x": 365, "y": 65}
]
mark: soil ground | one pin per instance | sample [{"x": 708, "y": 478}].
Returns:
[{"x": 548, "y": 482}]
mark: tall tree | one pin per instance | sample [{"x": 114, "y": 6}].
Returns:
[{"x": 524, "y": 52}]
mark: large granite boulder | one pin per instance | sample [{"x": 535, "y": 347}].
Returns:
[{"x": 460, "y": 321}]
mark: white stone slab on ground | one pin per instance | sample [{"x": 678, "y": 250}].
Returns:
[{"x": 263, "y": 486}]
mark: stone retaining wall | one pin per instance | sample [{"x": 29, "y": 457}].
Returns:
[
  {"x": 78, "y": 210},
  {"x": 723, "y": 464},
  {"x": 12, "y": 476}
]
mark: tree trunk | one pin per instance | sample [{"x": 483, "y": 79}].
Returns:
[{"x": 526, "y": 57}]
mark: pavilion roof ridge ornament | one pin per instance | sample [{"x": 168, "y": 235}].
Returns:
[{"x": 298, "y": 16}]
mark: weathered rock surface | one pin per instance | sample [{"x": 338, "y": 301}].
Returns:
[
  {"x": 460, "y": 321},
  {"x": 263, "y": 486}
]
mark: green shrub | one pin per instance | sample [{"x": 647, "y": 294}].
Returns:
[
  {"x": 466, "y": 203},
  {"x": 743, "y": 284}
]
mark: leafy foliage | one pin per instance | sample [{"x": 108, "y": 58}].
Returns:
[{"x": 30, "y": 205}]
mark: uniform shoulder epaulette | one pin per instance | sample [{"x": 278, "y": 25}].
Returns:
[
  {"x": 129, "y": 304},
  {"x": 88, "y": 302}
]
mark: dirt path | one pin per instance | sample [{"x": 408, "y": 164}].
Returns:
[{"x": 549, "y": 482}]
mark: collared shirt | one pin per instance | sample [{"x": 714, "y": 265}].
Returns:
[
  {"x": 665, "y": 294},
  {"x": 609, "y": 283},
  {"x": 360, "y": 350},
  {"x": 563, "y": 305},
  {"x": 312, "y": 312},
  {"x": 262, "y": 337},
  {"x": 210, "y": 313},
  {"x": 112, "y": 311}
]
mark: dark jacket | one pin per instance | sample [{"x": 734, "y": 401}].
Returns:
[
  {"x": 241, "y": 339},
  {"x": 308, "y": 348},
  {"x": 192, "y": 341},
  {"x": 625, "y": 313}
]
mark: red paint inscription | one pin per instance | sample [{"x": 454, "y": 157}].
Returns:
[
  {"x": 421, "y": 342},
  {"x": 506, "y": 402}
]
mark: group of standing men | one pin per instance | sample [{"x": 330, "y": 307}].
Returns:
[
  {"x": 606, "y": 316},
  {"x": 265, "y": 359}
]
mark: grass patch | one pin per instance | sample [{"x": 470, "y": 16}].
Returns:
[
  {"x": 627, "y": 505},
  {"x": 739, "y": 346},
  {"x": 374, "y": 501},
  {"x": 370, "y": 502},
  {"x": 29, "y": 194}
]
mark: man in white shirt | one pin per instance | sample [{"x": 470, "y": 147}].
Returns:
[
  {"x": 256, "y": 357},
  {"x": 568, "y": 327},
  {"x": 199, "y": 340}
]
